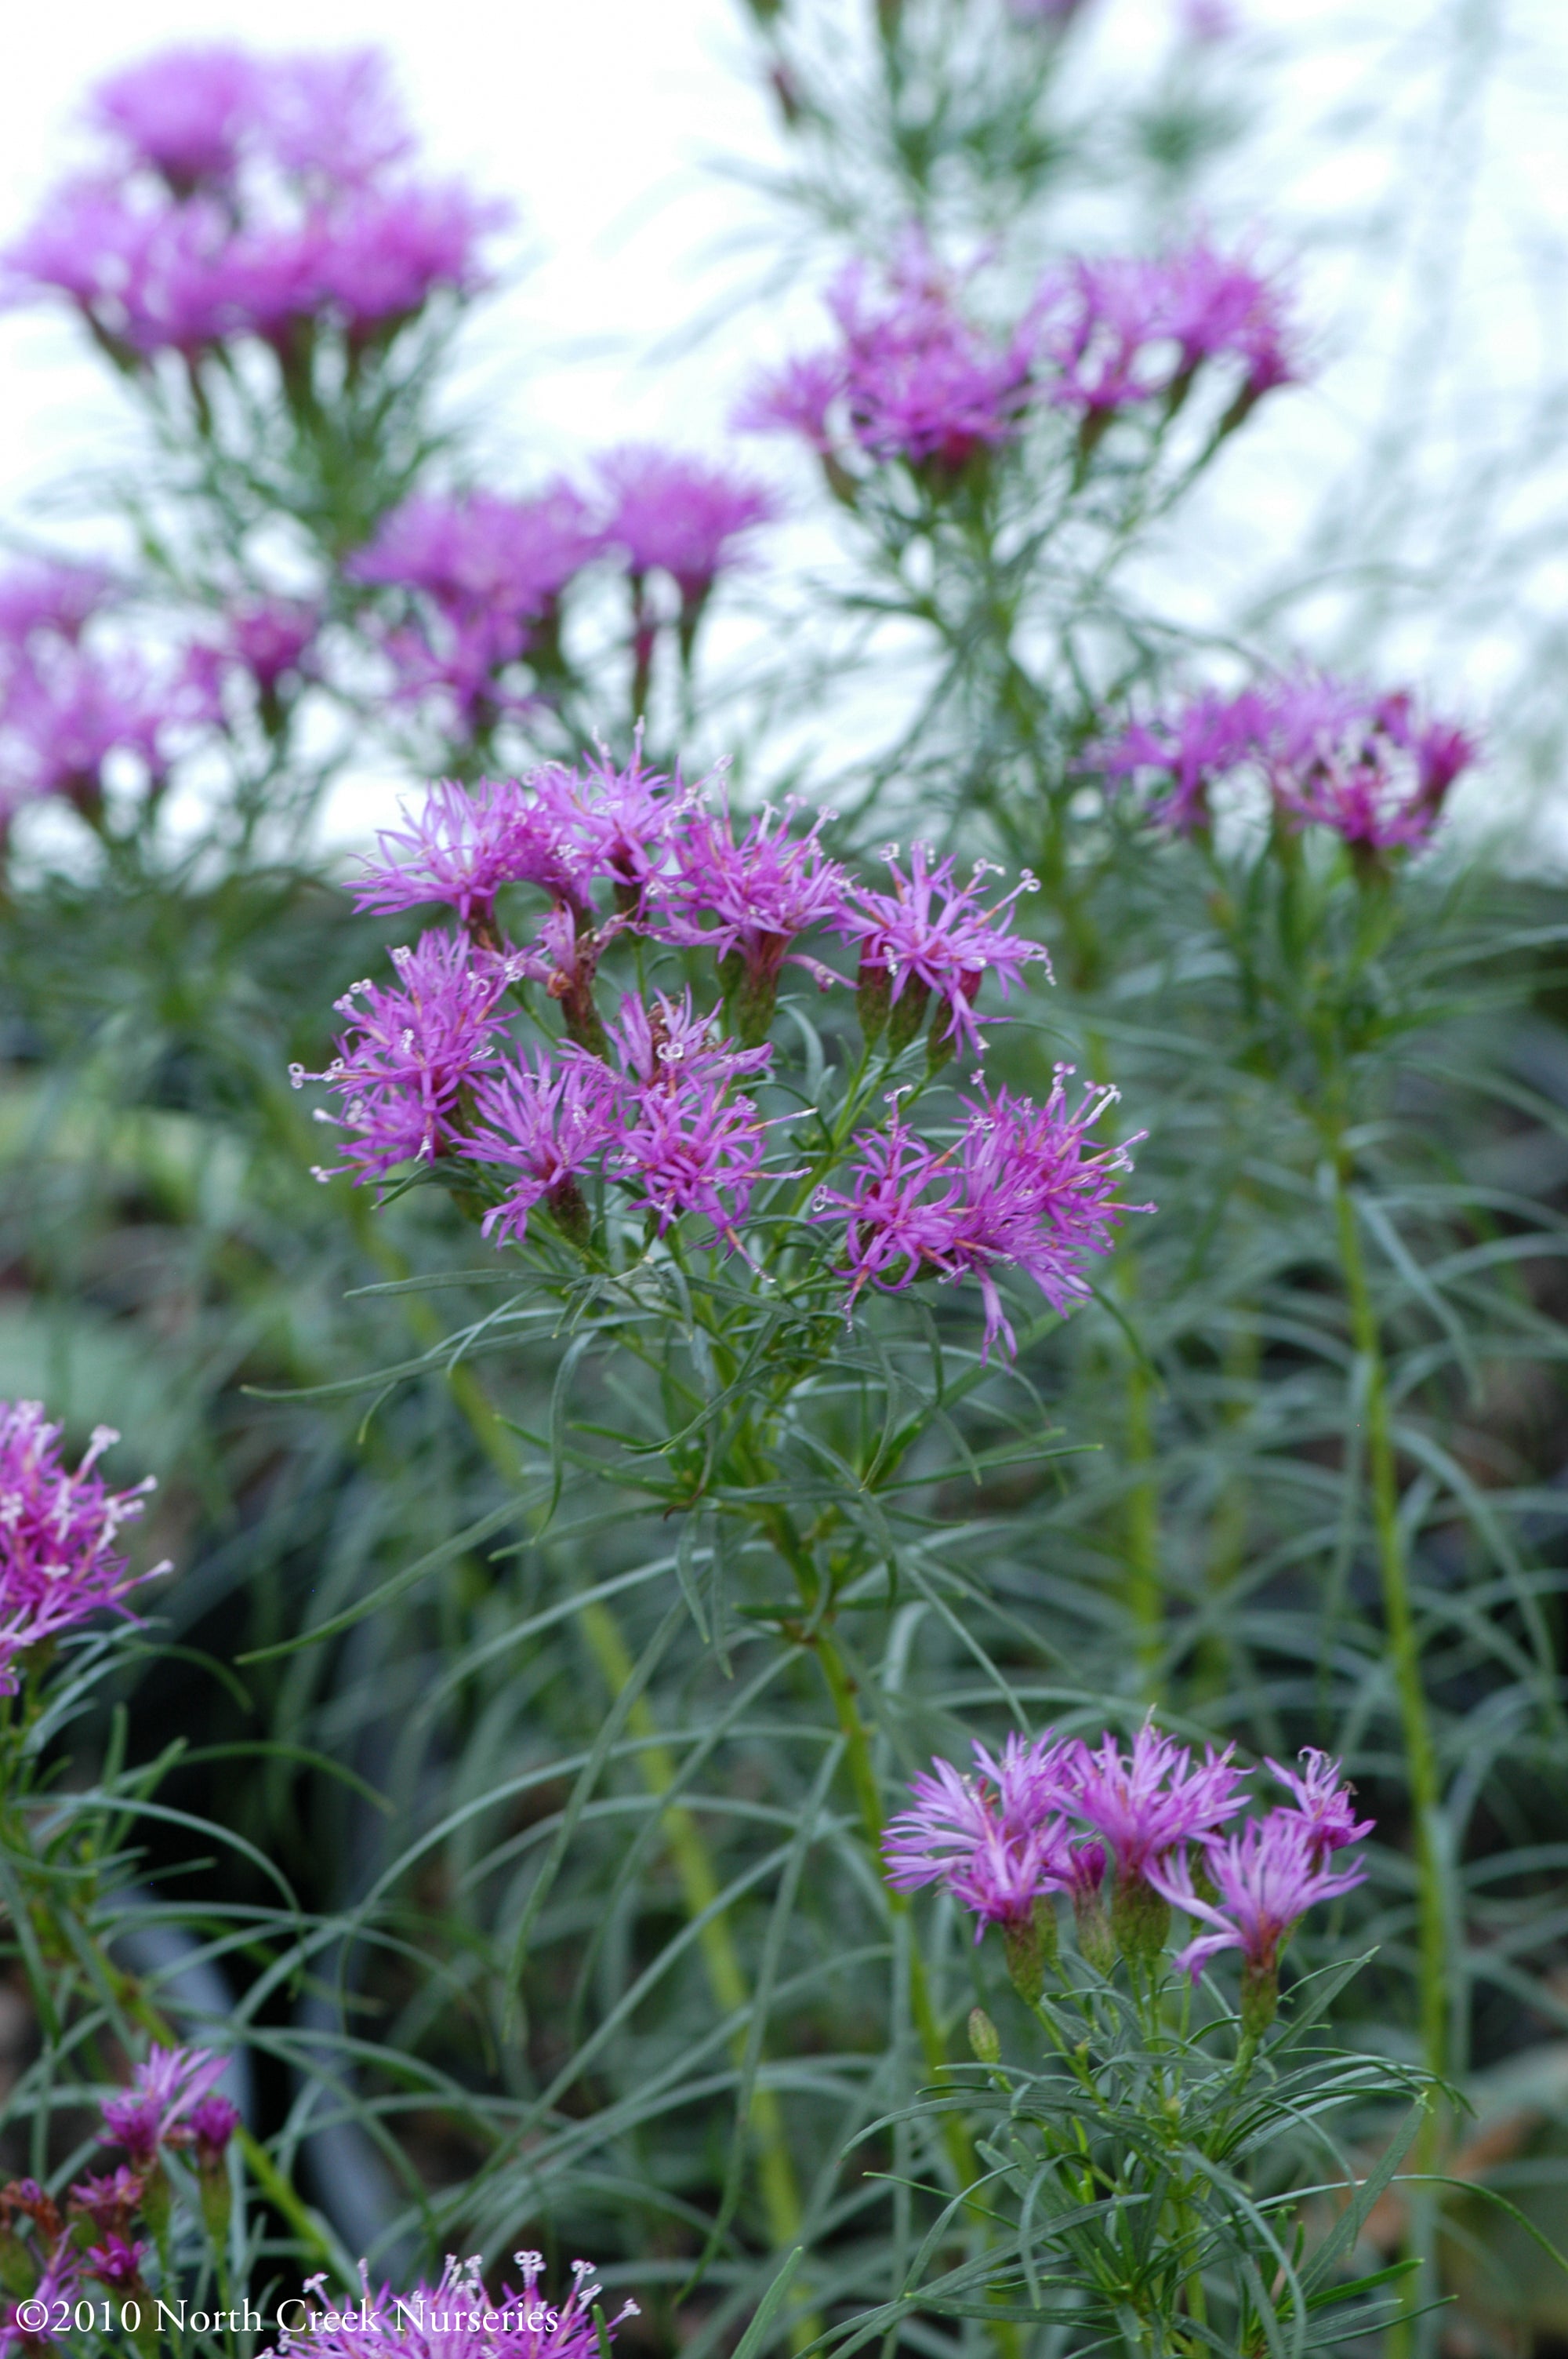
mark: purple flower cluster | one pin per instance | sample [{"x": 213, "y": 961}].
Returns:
[
  {"x": 171, "y": 2103},
  {"x": 910, "y": 378},
  {"x": 248, "y": 197},
  {"x": 1055, "y": 1815},
  {"x": 490, "y": 573},
  {"x": 59, "y": 1563},
  {"x": 656, "y": 1097},
  {"x": 69, "y": 706},
  {"x": 1019, "y": 1185},
  {"x": 459, "y": 2318},
  {"x": 913, "y": 378},
  {"x": 1368, "y": 766}
]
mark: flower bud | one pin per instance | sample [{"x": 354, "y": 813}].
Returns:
[{"x": 985, "y": 2040}]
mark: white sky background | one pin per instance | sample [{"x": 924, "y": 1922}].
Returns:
[{"x": 601, "y": 120}]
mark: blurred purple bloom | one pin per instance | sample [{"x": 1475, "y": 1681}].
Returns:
[
  {"x": 935, "y": 934},
  {"x": 208, "y": 2128},
  {"x": 377, "y": 257},
  {"x": 271, "y": 638},
  {"x": 1148, "y": 1802},
  {"x": 913, "y": 378},
  {"x": 1266, "y": 1875},
  {"x": 464, "y": 845},
  {"x": 1017, "y": 1187},
  {"x": 184, "y": 112},
  {"x": 548, "y": 1123},
  {"x": 412, "y": 1051},
  {"x": 58, "y": 2280},
  {"x": 1323, "y": 1802},
  {"x": 479, "y": 558},
  {"x": 332, "y": 117},
  {"x": 164, "y": 2092},
  {"x": 1131, "y": 329},
  {"x": 1188, "y": 752},
  {"x": 679, "y": 515},
  {"x": 59, "y": 1558},
  {"x": 50, "y": 599},
  {"x": 64, "y": 711},
  {"x": 110, "y": 2200},
  {"x": 117, "y": 2261}
]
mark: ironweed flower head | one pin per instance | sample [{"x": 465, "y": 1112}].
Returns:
[
  {"x": 912, "y": 378},
  {"x": 622, "y": 821},
  {"x": 1186, "y": 754},
  {"x": 1323, "y": 1802},
  {"x": 481, "y": 558},
  {"x": 1365, "y": 767},
  {"x": 59, "y": 2281},
  {"x": 270, "y": 638},
  {"x": 678, "y": 515},
  {"x": 931, "y": 936},
  {"x": 67, "y": 711},
  {"x": 457, "y": 2319},
  {"x": 1125, "y": 330},
  {"x": 464, "y": 845},
  {"x": 549, "y": 1123},
  {"x": 665, "y": 1044},
  {"x": 164, "y": 2092},
  {"x": 1017, "y": 1187},
  {"x": 690, "y": 1146},
  {"x": 60, "y": 1561},
  {"x": 1266, "y": 1875},
  {"x": 208, "y": 2128},
  {"x": 990, "y": 1837},
  {"x": 1147, "y": 1802},
  {"x": 48, "y": 600},
  {"x": 117, "y": 2261},
  {"x": 185, "y": 113},
  {"x": 110, "y": 2200},
  {"x": 411, "y": 1052},
  {"x": 747, "y": 899}
]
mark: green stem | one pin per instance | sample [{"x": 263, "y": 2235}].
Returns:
[
  {"x": 688, "y": 1851},
  {"x": 1404, "y": 1658}
]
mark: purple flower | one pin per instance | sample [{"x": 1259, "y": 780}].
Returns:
[
  {"x": 679, "y": 515},
  {"x": 1333, "y": 756},
  {"x": 913, "y": 378},
  {"x": 481, "y": 558},
  {"x": 1016, "y": 1187},
  {"x": 109, "y": 2201},
  {"x": 1266, "y": 1876},
  {"x": 930, "y": 935},
  {"x": 464, "y": 845},
  {"x": 208, "y": 2128},
  {"x": 747, "y": 901},
  {"x": 50, "y": 600},
  {"x": 66, "y": 710},
  {"x": 271, "y": 638},
  {"x": 688, "y": 1146},
  {"x": 1149, "y": 1801},
  {"x": 184, "y": 112},
  {"x": 549, "y": 1123},
  {"x": 58, "y": 1559},
  {"x": 117, "y": 2261},
  {"x": 378, "y": 255},
  {"x": 58, "y": 2280},
  {"x": 1131, "y": 329},
  {"x": 458, "y": 2318},
  {"x": 993, "y": 1838},
  {"x": 1188, "y": 753},
  {"x": 163, "y": 2094},
  {"x": 1323, "y": 1802},
  {"x": 402, "y": 1069},
  {"x": 332, "y": 117},
  {"x": 624, "y": 821}
]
